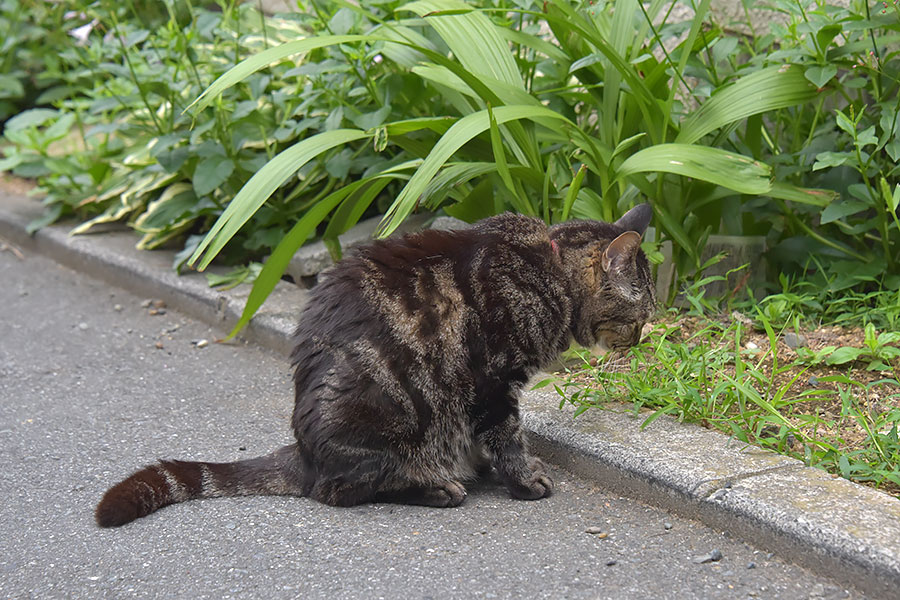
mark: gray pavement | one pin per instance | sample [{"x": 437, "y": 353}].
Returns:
[{"x": 93, "y": 386}]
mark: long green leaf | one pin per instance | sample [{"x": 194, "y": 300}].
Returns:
[
  {"x": 500, "y": 160},
  {"x": 256, "y": 191},
  {"x": 816, "y": 197},
  {"x": 462, "y": 131},
  {"x": 768, "y": 89},
  {"x": 728, "y": 169},
  {"x": 573, "y": 192},
  {"x": 267, "y": 57},
  {"x": 278, "y": 261},
  {"x": 472, "y": 37},
  {"x": 568, "y": 20}
]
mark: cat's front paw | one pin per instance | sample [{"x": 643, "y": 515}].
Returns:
[{"x": 534, "y": 486}]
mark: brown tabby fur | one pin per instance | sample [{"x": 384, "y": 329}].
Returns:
[{"x": 408, "y": 361}]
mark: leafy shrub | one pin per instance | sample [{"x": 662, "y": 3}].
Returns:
[
  {"x": 846, "y": 140},
  {"x": 137, "y": 154},
  {"x": 31, "y": 69},
  {"x": 555, "y": 109},
  {"x": 553, "y": 112}
]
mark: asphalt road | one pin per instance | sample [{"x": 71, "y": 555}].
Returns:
[{"x": 93, "y": 386}]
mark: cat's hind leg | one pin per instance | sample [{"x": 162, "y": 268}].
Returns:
[
  {"x": 445, "y": 494},
  {"x": 349, "y": 475}
]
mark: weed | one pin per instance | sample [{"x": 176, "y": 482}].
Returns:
[{"x": 707, "y": 371}]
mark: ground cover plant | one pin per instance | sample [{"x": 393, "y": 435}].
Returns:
[
  {"x": 113, "y": 142},
  {"x": 781, "y": 378}
]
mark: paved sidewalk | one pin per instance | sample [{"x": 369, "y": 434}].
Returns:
[{"x": 839, "y": 529}]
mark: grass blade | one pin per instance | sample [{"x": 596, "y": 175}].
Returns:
[
  {"x": 815, "y": 197},
  {"x": 573, "y": 191},
  {"x": 280, "y": 258}
]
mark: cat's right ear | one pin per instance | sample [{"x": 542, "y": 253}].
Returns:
[
  {"x": 637, "y": 219},
  {"x": 621, "y": 252}
]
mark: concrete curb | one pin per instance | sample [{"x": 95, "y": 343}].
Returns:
[{"x": 837, "y": 528}]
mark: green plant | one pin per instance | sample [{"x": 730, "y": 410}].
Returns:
[
  {"x": 846, "y": 140},
  {"x": 880, "y": 350},
  {"x": 136, "y": 155},
  {"x": 32, "y": 70},
  {"x": 573, "y": 128},
  {"x": 703, "y": 371}
]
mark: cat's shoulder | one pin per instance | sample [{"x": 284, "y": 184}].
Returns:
[{"x": 519, "y": 229}]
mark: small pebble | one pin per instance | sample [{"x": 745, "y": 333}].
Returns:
[
  {"x": 667, "y": 525},
  {"x": 714, "y": 556},
  {"x": 117, "y": 307},
  {"x": 146, "y": 303},
  {"x": 159, "y": 345},
  {"x": 82, "y": 326},
  {"x": 157, "y": 311},
  {"x": 813, "y": 381},
  {"x": 242, "y": 448},
  {"x": 751, "y": 565},
  {"x": 752, "y": 346},
  {"x": 611, "y": 562},
  {"x": 158, "y": 304},
  {"x": 794, "y": 340},
  {"x": 201, "y": 343},
  {"x": 717, "y": 495}
]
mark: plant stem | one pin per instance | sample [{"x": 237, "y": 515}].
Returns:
[{"x": 137, "y": 83}]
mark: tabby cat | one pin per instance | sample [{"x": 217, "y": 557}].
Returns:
[{"x": 409, "y": 357}]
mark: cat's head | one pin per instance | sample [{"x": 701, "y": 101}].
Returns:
[{"x": 610, "y": 277}]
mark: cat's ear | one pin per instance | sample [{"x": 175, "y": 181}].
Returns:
[
  {"x": 636, "y": 219},
  {"x": 621, "y": 251}
]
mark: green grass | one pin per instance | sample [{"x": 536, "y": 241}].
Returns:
[{"x": 836, "y": 416}]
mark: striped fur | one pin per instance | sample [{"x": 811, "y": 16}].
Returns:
[{"x": 409, "y": 357}]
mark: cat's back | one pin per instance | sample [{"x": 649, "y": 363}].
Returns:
[
  {"x": 413, "y": 265},
  {"x": 419, "y": 288}
]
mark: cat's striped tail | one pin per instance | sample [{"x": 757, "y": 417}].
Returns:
[{"x": 171, "y": 481}]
